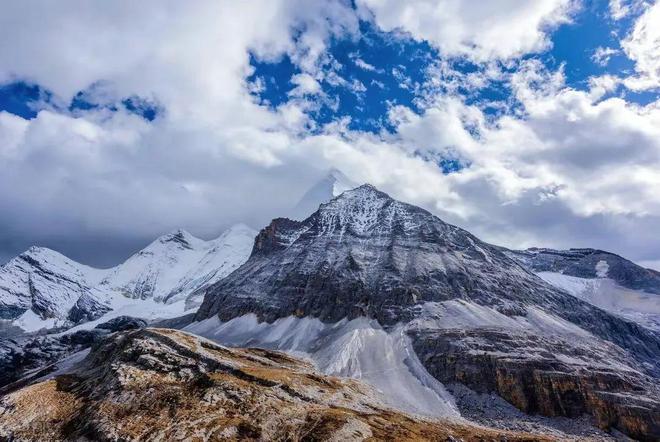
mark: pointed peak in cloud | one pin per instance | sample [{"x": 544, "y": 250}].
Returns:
[{"x": 333, "y": 184}]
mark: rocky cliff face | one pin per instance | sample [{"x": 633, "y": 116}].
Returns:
[
  {"x": 365, "y": 254},
  {"x": 46, "y": 284},
  {"x": 160, "y": 384},
  {"x": 546, "y": 375}
]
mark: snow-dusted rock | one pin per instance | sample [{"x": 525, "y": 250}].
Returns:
[
  {"x": 42, "y": 289},
  {"x": 364, "y": 254},
  {"x": 635, "y": 305},
  {"x": 603, "y": 279},
  {"x": 42, "y": 284},
  {"x": 589, "y": 264}
]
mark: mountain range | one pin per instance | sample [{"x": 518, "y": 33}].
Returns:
[
  {"x": 41, "y": 288},
  {"x": 443, "y": 325}
]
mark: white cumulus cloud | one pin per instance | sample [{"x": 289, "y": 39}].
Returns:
[
  {"x": 498, "y": 29},
  {"x": 643, "y": 47}
]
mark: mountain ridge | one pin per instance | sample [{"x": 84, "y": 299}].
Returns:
[
  {"x": 43, "y": 288},
  {"x": 589, "y": 263},
  {"x": 364, "y": 254},
  {"x": 162, "y": 384}
]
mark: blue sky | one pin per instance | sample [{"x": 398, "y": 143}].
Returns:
[
  {"x": 528, "y": 123},
  {"x": 377, "y": 69},
  {"x": 395, "y": 70}
]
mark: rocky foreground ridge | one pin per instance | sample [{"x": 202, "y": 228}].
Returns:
[
  {"x": 475, "y": 315},
  {"x": 162, "y": 384}
]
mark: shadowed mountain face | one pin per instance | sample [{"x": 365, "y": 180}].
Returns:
[{"x": 366, "y": 254}]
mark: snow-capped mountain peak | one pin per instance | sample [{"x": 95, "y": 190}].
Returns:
[
  {"x": 42, "y": 288},
  {"x": 384, "y": 284},
  {"x": 45, "y": 285},
  {"x": 221, "y": 256},
  {"x": 333, "y": 184},
  {"x": 177, "y": 261},
  {"x": 339, "y": 182},
  {"x": 178, "y": 238}
]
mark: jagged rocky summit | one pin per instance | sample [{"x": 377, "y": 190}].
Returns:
[
  {"x": 473, "y": 315},
  {"x": 442, "y": 324}
]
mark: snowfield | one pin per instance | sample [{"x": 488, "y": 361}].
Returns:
[
  {"x": 635, "y": 305},
  {"x": 42, "y": 289}
]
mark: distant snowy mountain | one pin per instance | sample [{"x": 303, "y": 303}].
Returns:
[
  {"x": 589, "y": 263},
  {"x": 41, "y": 287},
  {"x": 174, "y": 265},
  {"x": 332, "y": 185},
  {"x": 44, "y": 289},
  {"x": 221, "y": 257},
  {"x": 603, "y": 279},
  {"x": 365, "y": 286}
]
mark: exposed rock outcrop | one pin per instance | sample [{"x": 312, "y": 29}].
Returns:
[
  {"x": 548, "y": 376},
  {"x": 37, "y": 355},
  {"x": 160, "y": 384},
  {"x": 366, "y": 254}
]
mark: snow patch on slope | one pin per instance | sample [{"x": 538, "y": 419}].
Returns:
[
  {"x": 602, "y": 267},
  {"x": 462, "y": 314},
  {"x": 147, "y": 309},
  {"x": 31, "y": 322},
  {"x": 635, "y": 305},
  {"x": 359, "y": 349}
]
